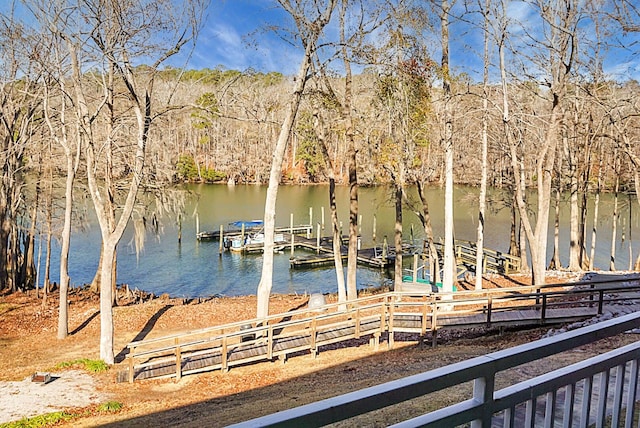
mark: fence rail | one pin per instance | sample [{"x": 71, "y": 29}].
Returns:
[
  {"x": 374, "y": 317},
  {"x": 594, "y": 391}
]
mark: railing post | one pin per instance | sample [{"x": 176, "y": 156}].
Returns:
[
  {"x": 291, "y": 232},
  {"x": 221, "y": 243},
  {"x": 314, "y": 326},
  {"x": 434, "y": 322},
  {"x": 178, "y": 360},
  {"x": 483, "y": 388},
  {"x": 390, "y": 325},
  {"x": 489, "y": 310},
  {"x": 269, "y": 341},
  {"x": 423, "y": 326},
  {"x": 130, "y": 356},
  {"x": 543, "y": 315},
  {"x": 600, "y": 301},
  {"x": 223, "y": 356}
]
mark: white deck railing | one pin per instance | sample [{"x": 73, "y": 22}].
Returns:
[{"x": 593, "y": 392}]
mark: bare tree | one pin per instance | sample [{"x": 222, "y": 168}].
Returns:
[
  {"x": 61, "y": 121},
  {"x": 310, "y": 18},
  {"x": 482, "y": 197},
  {"x": 449, "y": 264},
  {"x": 20, "y": 104},
  {"x": 119, "y": 33},
  {"x": 320, "y": 126},
  {"x": 560, "y": 23}
]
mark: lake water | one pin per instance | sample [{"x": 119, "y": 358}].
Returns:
[{"x": 195, "y": 268}]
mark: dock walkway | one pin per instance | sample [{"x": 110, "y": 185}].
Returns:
[{"x": 377, "y": 318}]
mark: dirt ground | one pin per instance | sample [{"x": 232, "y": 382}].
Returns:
[{"x": 28, "y": 344}]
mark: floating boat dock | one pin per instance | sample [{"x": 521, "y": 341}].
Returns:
[
  {"x": 249, "y": 239},
  {"x": 372, "y": 257}
]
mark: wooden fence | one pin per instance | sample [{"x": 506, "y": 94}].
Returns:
[{"x": 374, "y": 317}]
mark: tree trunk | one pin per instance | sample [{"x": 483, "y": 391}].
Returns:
[
  {"x": 425, "y": 218},
  {"x": 485, "y": 143},
  {"x": 335, "y": 222},
  {"x": 106, "y": 300},
  {"x": 397, "y": 277},
  {"x": 574, "y": 234},
  {"x": 449, "y": 254},
  {"x": 614, "y": 221},
  {"x": 337, "y": 241},
  {"x": 555, "y": 263},
  {"x": 30, "y": 265},
  {"x": 266, "y": 280},
  {"x": 63, "y": 311},
  {"x": 352, "y": 257}
]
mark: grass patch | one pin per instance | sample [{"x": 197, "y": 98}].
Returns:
[
  {"x": 109, "y": 407},
  {"x": 55, "y": 418},
  {"x": 39, "y": 421},
  {"x": 94, "y": 366}
]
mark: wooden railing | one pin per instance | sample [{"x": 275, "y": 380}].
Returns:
[
  {"x": 492, "y": 262},
  {"x": 575, "y": 395},
  {"x": 277, "y": 336}
]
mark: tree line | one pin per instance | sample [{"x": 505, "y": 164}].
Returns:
[{"x": 89, "y": 99}]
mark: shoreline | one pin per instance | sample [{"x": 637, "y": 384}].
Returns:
[{"x": 518, "y": 279}]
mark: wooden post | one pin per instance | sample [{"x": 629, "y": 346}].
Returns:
[
  {"x": 322, "y": 212},
  {"x": 221, "y": 247},
  {"x": 385, "y": 247},
  {"x": 178, "y": 361},
  {"x": 374, "y": 230},
  {"x": 318, "y": 240},
  {"x": 197, "y": 224},
  {"x": 269, "y": 341},
  {"x": 224, "y": 351},
  {"x": 242, "y": 236},
  {"x": 130, "y": 356},
  {"x": 179, "y": 229},
  {"x": 310, "y": 223},
  {"x": 291, "y": 231},
  {"x": 390, "y": 342},
  {"x": 415, "y": 268}
]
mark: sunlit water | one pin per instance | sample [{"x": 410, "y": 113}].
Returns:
[{"x": 196, "y": 268}]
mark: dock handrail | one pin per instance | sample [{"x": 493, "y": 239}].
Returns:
[{"x": 391, "y": 312}]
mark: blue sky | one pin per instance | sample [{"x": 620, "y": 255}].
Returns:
[{"x": 236, "y": 36}]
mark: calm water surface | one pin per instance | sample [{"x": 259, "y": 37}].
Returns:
[{"x": 196, "y": 268}]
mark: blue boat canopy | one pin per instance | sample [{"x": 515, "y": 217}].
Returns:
[{"x": 247, "y": 223}]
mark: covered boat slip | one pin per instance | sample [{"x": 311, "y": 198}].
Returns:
[
  {"x": 242, "y": 227},
  {"x": 374, "y": 319}
]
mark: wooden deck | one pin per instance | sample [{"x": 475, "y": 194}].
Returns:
[{"x": 376, "y": 317}]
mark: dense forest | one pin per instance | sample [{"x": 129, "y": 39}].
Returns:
[{"x": 90, "y": 100}]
